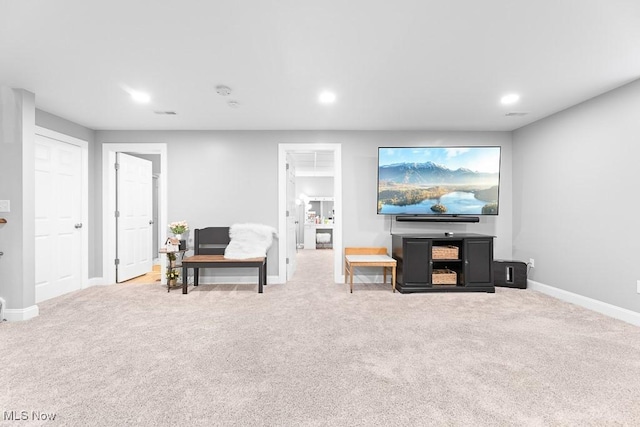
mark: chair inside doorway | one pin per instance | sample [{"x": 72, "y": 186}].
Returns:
[{"x": 324, "y": 238}]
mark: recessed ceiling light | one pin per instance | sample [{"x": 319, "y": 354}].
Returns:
[
  {"x": 510, "y": 99},
  {"x": 140, "y": 97},
  {"x": 327, "y": 97}
]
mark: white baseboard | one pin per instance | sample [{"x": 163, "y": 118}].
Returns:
[
  {"x": 20, "y": 314},
  {"x": 273, "y": 280},
  {"x": 96, "y": 281},
  {"x": 586, "y": 302}
]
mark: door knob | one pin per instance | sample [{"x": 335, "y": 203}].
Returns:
[
  {"x": 150, "y": 222},
  {"x": 78, "y": 225}
]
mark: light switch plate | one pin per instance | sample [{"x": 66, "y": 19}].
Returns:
[{"x": 5, "y": 206}]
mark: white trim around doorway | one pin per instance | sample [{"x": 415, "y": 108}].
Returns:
[
  {"x": 282, "y": 205},
  {"x": 109, "y": 151}
]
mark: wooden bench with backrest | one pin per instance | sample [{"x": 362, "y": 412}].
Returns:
[
  {"x": 368, "y": 257},
  {"x": 209, "y": 247}
]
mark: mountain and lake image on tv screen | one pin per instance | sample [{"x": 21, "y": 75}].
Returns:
[{"x": 438, "y": 180}]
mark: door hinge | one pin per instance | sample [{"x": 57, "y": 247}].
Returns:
[
  {"x": 117, "y": 214},
  {"x": 287, "y": 166},
  {"x": 287, "y": 260},
  {"x": 287, "y": 213},
  {"x": 117, "y": 261},
  {"x": 116, "y": 166}
]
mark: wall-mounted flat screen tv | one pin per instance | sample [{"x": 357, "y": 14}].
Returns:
[{"x": 438, "y": 180}]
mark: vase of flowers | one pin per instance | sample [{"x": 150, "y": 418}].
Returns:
[{"x": 178, "y": 227}]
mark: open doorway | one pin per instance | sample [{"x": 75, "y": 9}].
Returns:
[
  {"x": 288, "y": 244},
  {"x": 109, "y": 154}
]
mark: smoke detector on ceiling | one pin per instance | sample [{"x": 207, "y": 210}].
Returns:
[{"x": 223, "y": 90}]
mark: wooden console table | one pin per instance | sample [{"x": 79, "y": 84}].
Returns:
[{"x": 219, "y": 261}]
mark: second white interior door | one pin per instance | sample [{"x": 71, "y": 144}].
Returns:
[{"x": 135, "y": 214}]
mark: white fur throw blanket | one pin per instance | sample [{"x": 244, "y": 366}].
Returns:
[{"x": 249, "y": 241}]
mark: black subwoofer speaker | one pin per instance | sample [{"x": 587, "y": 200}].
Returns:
[{"x": 510, "y": 274}]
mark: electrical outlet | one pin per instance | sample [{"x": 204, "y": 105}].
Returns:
[
  {"x": 5, "y": 206},
  {"x": 532, "y": 262}
]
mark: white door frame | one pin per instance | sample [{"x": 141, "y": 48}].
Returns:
[
  {"x": 109, "y": 151},
  {"x": 84, "y": 147},
  {"x": 282, "y": 205}
]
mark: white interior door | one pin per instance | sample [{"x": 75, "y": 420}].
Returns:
[
  {"x": 291, "y": 218},
  {"x": 134, "y": 190},
  {"x": 58, "y": 217}
]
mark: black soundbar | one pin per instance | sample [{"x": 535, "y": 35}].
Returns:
[{"x": 426, "y": 218}]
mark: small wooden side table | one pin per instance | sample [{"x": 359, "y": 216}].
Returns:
[
  {"x": 173, "y": 265},
  {"x": 368, "y": 257}
]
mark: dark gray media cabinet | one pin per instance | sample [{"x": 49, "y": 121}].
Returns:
[{"x": 473, "y": 264}]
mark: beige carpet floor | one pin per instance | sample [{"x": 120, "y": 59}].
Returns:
[{"x": 309, "y": 353}]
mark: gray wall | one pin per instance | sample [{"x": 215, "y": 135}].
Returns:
[
  {"x": 223, "y": 177},
  {"x": 314, "y": 186},
  {"x": 215, "y": 178},
  {"x": 575, "y": 186},
  {"x": 64, "y": 126}
]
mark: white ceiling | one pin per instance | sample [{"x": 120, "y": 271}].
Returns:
[
  {"x": 313, "y": 163},
  {"x": 401, "y": 65}
]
